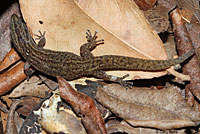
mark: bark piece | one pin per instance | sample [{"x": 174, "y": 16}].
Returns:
[{"x": 184, "y": 44}]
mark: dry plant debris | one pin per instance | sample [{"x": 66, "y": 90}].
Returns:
[
  {"x": 54, "y": 120},
  {"x": 84, "y": 106},
  {"x": 126, "y": 30},
  {"x": 184, "y": 43},
  {"x": 161, "y": 109}
]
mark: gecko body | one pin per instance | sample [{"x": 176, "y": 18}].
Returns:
[{"x": 71, "y": 66}]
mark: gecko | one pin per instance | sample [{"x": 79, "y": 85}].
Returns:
[{"x": 72, "y": 66}]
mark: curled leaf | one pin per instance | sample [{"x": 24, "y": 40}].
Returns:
[
  {"x": 83, "y": 105},
  {"x": 12, "y": 77},
  {"x": 10, "y": 58}
]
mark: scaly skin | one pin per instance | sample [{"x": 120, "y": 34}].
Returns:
[{"x": 71, "y": 66}]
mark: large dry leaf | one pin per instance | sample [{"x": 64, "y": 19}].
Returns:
[
  {"x": 120, "y": 23},
  {"x": 125, "y": 127},
  {"x": 162, "y": 109}
]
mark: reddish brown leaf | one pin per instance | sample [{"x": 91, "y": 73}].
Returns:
[
  {"x": 28, "y": 104},
  {"x": 12, "y": 77},
  {"x": 83, "y": 105},
  {"x": 9, "y": 59},
  {"x": 145, "y": 4}
]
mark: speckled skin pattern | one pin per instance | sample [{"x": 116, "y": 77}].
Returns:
[{"x": 71, "y": 66}]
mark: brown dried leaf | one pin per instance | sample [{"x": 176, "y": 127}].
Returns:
[
  {"x": 158, "y": 18},
  {"x": 125, "y": 127},
  {"x": 145, "y": 4},
  {"x": 188, "y": 8},
  {"x": 169, "y": 4},
  {"x": 120, "y": 23},
  {"x": 10, "y": 58},
  {"x": 12, "y": 77},
  {"x": 194, "y": 32},
  {"x": 32, "y": 87},
  {"x": 188, "y": 4},
  {"x": 83, "y": 105},
  {"x": 5, "y": 44},
  {"x": 27, "y": 104},
  {"x": 162, "y": 109}
]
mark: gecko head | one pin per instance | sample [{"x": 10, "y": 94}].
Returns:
[
  {"x": 15, "y": 18},
  {"x": 15, "y": 22},
  {"x": 19, "y": 33},
  {"x": 18, "y": 27}
]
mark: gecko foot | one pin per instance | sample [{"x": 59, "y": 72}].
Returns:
[
  {"x": 41, "y": 38},
  {"x": 103, "y": 75},
  {"x": 92, "y": 39},
  {"x": 126, "y": 84},
  {"x": 27, "y": 70}
]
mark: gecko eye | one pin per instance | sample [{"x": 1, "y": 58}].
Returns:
[{"x": 27, "y": 52}]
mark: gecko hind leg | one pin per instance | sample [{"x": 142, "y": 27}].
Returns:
[
  {"x": 27, "y": 70},
  {"x": 85, "y": 50},
  {"x": 103, "y": 75}
]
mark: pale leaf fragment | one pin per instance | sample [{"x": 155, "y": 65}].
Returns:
[{"x": 64, "y": 121}]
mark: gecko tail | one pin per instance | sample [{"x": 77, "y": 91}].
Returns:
[
  {"x": 182, "y": 58},
  {"x": 111, "y": 62}
]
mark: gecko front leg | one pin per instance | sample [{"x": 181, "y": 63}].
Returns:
[
  {"x": 41, "y": 38},
  {"x": 85, "y": 50},
  {"x": 40, "y": 45}
]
